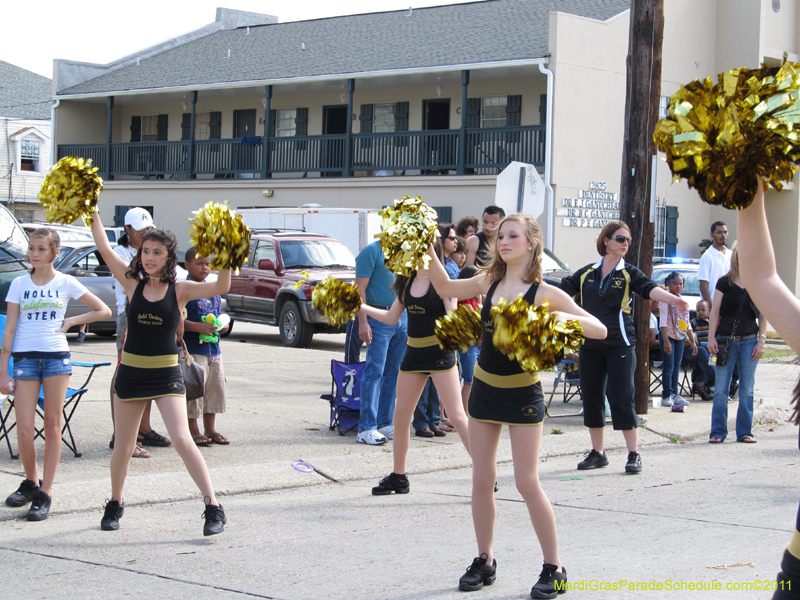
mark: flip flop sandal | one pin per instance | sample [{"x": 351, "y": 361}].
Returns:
[
  {"x": 715, "y": 440},
  {"x": 748, "y": 439},
  {"x": 139, "y": 452},
  {"x": 153, "y": 438},
  {"x": 201, "y": 440},
  {"x": 218, "y": 438}
]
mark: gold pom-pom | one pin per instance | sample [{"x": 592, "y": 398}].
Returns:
[
  {"x": 71, "y": 191},
  {"x": 721, "y": 138},
  {"x": 219, "y": 232},
  {"x": 408, "y": 229},
  {"x": 459, "y": 329},
  {"x": 337, "y": 300},
  {"x": 532, "y": 335}
]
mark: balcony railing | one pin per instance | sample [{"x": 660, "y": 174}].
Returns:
[{"x": 474, "y": 150}]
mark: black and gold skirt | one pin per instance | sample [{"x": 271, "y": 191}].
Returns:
[
  {"x": 148, "y": 377},
  {"x": 506, "y": 400},
  {"x": 423, "y": 355}
]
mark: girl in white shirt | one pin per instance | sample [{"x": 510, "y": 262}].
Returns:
[{"x": 35, "y": 335}]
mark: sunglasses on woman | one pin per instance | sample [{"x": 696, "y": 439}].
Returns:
[
  {"x": 621, "y": 239},
  {"x": 452, "y": 237}
]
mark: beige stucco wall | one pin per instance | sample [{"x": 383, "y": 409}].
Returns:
[
  {"x": 588, "y": 59},
  {"x": 80, "y": 123}
]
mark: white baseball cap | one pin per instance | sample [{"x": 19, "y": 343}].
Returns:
[{"x": 138, "y": 218}]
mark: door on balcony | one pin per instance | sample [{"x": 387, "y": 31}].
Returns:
[
  {"x": 334, "y": 122},
  {"x": 439, "y": 150},
  {"x": 245, "y": 155}
]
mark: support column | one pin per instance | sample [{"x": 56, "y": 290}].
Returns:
[
  {"x": 462, "y": 133},
  {"x": 110, "y": 104},
  {"x": 190, "y": 148},
  {"x": 348, "y": 145},
  {"x": 265, "y": 154}
]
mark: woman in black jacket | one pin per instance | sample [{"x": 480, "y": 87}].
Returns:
[{"x": 605, "y": 290}]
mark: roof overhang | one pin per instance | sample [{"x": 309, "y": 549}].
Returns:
[{"x": 331, "y": 79}]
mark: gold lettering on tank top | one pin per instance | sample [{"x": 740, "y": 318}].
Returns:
[
  {"x": 415, "y": 309},
  {"x": 149, "y": 319}
]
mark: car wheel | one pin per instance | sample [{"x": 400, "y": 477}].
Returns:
[
  {"x": 295, "y": 332},
  {"x": 227, "y": 333}
]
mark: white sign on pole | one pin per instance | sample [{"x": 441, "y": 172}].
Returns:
[{"x": 520, "y": 189}]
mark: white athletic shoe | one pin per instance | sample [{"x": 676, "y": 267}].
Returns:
[
  {"x": 388, "y": 431},
  {"x": 371, "y": 437}
]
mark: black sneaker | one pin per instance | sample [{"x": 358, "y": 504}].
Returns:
[
  {"x": 393, "y": 483},
  {"x": 478, "y": 574},
  {"x": 111, "y": 443},
  {"x": 551, "y": 582},
  {"x": 24, "y": 494},
  {"x": 593, "y": 460},
  {"x": 215, "y": 519},
  {"x": 111, "y": 516},
  {"x": 40, "y": 506},
  {"x": 634, "y": 464}
]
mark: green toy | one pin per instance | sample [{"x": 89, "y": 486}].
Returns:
[{"x": 210, "y": 318}]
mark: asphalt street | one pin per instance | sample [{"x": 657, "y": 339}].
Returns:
[{"x": 714, "y": 516}]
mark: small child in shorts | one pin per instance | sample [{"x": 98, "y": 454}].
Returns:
[{"x": 206, "y": 354}]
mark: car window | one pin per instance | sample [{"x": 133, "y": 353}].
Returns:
[
  {"x": 264, "y": 250},
  {"x": 13, "y": 241},
  {"x": 88, "y": 262},
  {"x": 316, "y": 254},
  {"x": 550, "y": 262}
]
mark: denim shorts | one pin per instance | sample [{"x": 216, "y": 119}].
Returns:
[{"x": 38, "y": 368}]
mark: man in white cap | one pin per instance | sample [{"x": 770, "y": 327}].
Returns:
[{"x": 137, "y": 222}]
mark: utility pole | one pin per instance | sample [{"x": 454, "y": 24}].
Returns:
[{"x": 641, "y": 115}]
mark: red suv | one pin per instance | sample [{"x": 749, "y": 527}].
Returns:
[{"x": 265, "y": 289}]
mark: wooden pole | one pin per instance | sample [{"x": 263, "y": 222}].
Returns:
[{"x": 641, "y": 115}]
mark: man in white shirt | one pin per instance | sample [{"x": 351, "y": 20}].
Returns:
[{"x": 715, "y": 262}]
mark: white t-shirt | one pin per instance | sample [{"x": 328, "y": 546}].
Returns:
[
  {"x": 126, "y": 253},
  {"x": 713, "y": 265},
  {"x": 653, "y": 322},
  {"x": 41, "y": 311}
]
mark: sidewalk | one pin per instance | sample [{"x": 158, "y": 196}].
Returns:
[{"x": 295, "y": 535}]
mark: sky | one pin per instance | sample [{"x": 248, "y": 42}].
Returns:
[{"x": 105, "y": 31}]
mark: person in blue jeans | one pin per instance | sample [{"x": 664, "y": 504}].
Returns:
[
  {"x": 386, "y": 345},
  {"x": 735, "y": 318}
]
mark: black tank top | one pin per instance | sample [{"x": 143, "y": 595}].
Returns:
[
  {"x": 422, "y": 312},
  {"x": 484, "y": 254},
  {"x": 490, "y": 358},
  {"x": 152, "y": 325}
]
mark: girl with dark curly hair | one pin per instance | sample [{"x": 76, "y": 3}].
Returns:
[{"x": 149, "y": 368}]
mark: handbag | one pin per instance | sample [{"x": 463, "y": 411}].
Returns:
[
  {"x": 193, "y": 376},
  {"x": 724, "y": 348}
]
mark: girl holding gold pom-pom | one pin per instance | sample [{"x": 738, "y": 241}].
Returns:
[
  {"x": 423, "y": 358},
  {"x": 504, "y": 394},
  {"x": 149, "y": 367}
]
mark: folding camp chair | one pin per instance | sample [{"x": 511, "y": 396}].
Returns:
[
  {"x": 567, "y": 375},
  {"x": 345, "y": 395},
  {"x": 74, "y": 396}
]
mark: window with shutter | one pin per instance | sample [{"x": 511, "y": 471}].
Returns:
[
  {"x": 214, "y": 125},
  {"x": 493, "y": 111},
  {"x": 186, "y": 125},
  {"x": 513, "y": 111},
  {"x": 473, "y": 112},
  {"x": 301, "y": 126},
  {"x": 401, "y": 123},
  {"x": 365, "y": 117}
]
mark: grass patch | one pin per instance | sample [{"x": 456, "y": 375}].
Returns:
[
  {"x": 557, "y": 432},
  {"x": 675, "y": 439},
  {"x": 777, "y": 352}
]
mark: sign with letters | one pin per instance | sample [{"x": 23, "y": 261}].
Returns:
[{"x": 594, "y": 207}]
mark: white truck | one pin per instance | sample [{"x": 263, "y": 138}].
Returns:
[{"x": 354, "y": 227}]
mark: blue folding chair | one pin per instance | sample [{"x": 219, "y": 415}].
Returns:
[
  {"x": 345, "y": 395},
  {"x": 71, "y": 402}
]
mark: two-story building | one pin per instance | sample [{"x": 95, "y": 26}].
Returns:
[
  {"x": 355, "y": 111},
  {"x": 25, "y": 105}
]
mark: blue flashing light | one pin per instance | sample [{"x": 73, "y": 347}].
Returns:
[{"x": 677, "y": 260}]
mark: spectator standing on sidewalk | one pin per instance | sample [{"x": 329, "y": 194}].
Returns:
[
  {"x": 386, "y": 345},
  {"x": 206, "y": 354},
  {"x": 480, "y": 247}
]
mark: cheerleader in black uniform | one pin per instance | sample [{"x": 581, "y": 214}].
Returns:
[
  {"x": 503, "y": 394},
  {"x": 423, "y": 358}
]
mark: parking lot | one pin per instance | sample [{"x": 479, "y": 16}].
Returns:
[{"x": 300, "y": 535}]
